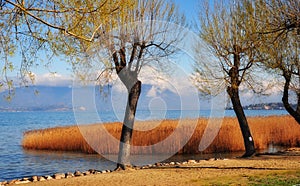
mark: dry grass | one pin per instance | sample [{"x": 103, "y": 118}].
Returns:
[{"x": 276, "y": 130}]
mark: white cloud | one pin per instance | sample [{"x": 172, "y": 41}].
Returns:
[
  {"x": 176, "y": 81},
  {"x": 53, "y": 79}
]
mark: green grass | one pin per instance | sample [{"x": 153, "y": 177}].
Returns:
[
  {"x": 264, "y": 178},
  {"x": 277, "y": 178}
]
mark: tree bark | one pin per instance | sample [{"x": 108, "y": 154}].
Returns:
[
  {"x": 285, "y": 99},
  {"x": 233, "y": 91},
  {"x": 238, "y": 109},
  {"x": 127, "y": 128}
]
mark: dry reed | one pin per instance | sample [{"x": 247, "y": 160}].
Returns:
[{"x": 275, "y": 130}]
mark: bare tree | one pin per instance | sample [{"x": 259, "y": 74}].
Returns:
[
  {"x": 227, "y": 30},
  {"x": 137, "y": 39},
  {"x": 281, "y": 33}
]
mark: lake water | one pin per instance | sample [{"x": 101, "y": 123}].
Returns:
[{"x": 17, "y": 163}]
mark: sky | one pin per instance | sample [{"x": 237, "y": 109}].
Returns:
[
  {"x": 63, "y": 69},
  {"x": 188, "y": 7},
  {"x": 64, "y": 75}
]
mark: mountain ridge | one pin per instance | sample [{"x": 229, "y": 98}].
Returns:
[{"x": 59, "y": 98}]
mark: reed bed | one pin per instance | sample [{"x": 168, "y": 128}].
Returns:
[{"x": 275, "y": 130}]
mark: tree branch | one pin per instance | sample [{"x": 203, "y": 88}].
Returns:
[
  {"x": 65, "y": 30},
  {"x": 79, "y": 10},
  {"x": 137, "y": 69}
]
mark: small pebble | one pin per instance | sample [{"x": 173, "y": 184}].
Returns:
[
  {"x": 41, "y": 178},
  {"x": 59, "y": 176},
  {"x": 34, "y": 178},
  {"x": 21, "y": 182},
  {"x": 157, "y": 164},
  {"x": 48, "y": 177},
  {"x": 92, "y": 171},
  {"x": 78, "y": 173},
  {"x": 69, "y": 175},
  {"x": 191, "y": 161},
  {"x": 25, "y": 179}
]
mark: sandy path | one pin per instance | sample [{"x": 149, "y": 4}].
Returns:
[{"x": 218, "y": 172}]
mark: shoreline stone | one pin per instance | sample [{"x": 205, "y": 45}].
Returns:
[
  {"x": 59, "y": 176},
  {"x": 92, "y": 171},
  {"x": 191, "y": 161},
  {"x": 34, "y": 178},
  {"x": 69, "y": 175},
  {"x": 25, "y": 179},
  {"x": 48, "y": 177},
  {"x": 78, "y": 173},
  {"x": 21, "y": 182},
  {"x": 41, "y": 178}
]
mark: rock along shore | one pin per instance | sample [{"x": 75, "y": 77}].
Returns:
[{"x": 89, "y": 172}]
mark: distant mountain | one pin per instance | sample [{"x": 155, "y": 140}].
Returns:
[
  {"x": 53, "y": 98},
  {"x": 38, "y": 98}
]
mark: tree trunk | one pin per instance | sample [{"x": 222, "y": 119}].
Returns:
[
  {"x": 233, "y": 91},
  {"x": 238, "y": 109},
  {"x": 285, "y": 99},
  {"x": 127, "y": 128}
]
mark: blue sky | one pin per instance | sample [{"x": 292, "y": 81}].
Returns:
[{"x": 189, "y": 8}]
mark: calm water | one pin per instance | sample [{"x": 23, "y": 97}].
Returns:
[{"x": 16, "y": 162}]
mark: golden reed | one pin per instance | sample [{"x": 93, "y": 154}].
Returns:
[{"x": 276, "y": 130}]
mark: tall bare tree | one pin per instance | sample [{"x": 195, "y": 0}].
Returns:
[
  {"x": 281, "y": 35},
  {"x": 141, "y": 36},
  {"x": 227, "y": 30}
]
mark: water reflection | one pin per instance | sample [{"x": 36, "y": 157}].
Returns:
[
  {"x": 273, "y": 148},
  {"x": 70, "y": 161},
  {"x": 49, "y": 162}
]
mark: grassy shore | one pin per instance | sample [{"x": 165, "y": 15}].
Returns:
[{"x": 275, "y": 130}]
